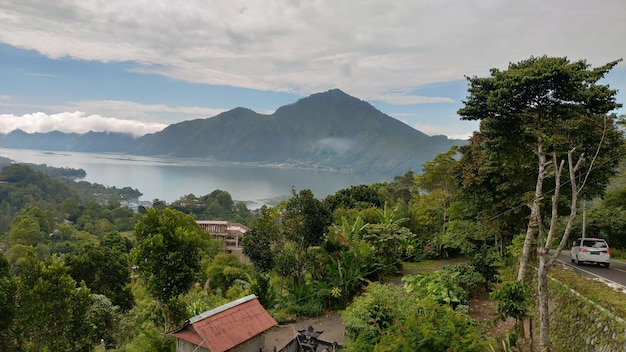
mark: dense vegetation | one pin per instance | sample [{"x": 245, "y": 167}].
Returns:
[{"x": 78, "y": 269}]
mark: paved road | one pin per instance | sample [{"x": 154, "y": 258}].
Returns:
[{"x": 615, "y": 273}]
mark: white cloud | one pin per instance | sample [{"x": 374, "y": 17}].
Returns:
[
  {"x": 408, "y": 99},
  {"x": 367, "y": 47},
  {"x": 428, "y": 129},
  {"x": 144, "y": 112},
  {"x": 76, "y": 122}
]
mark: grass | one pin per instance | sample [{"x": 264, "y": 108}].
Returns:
[
  {"x": 429, "y": 266},
  {"x": 594, "y": 290}
]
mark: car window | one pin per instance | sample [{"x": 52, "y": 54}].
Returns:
[{"x": 594, "y": 244}]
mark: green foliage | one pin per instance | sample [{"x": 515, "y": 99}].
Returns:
[
  {"x": 52, "y": 309},
  {"x": 305, "y": 222},
  {"x": 542, "y": 104},
  {"x": 604, "y": 222},
  {"x": 225, "y": 270},
  {"x": 150, "y": 340},
  {"x": 355, "y": 197},
  {"x": 261, "y": 287},
  {"x": 513, "y": 299},
  {"x": 218, "y": 205},
  {"x": 115, "y": 241},
  {"x": 105, "y": 271},
  {"x": 441, "y": 286},
  {"x": 103, "y": 316},
  {"x": 615, "y": 198},
  {"x": 385, "y": 237},
  {"x": 8, "y": 308},
  {"x": 487, "y": 262},
  {"x": 469, "y": 276},
  {"x": 375, "y": 311},
  {"x": 258, "y": 243},
  {"x": 166, "y": 255},
  {"x": 385, "y": 318},
  {"x": 433, "y": 328}
]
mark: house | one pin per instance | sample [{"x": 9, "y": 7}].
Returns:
[
  {"x": 237, "y": 326},
  {"x": 230, "y": 234}
]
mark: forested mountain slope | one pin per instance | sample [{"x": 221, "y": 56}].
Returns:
[{"x": 330, "y": 130}]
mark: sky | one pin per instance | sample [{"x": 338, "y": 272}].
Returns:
[{"x": 137, "y": 66}]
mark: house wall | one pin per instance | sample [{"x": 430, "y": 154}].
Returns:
[
  {"x": 254, "y": 344},
  {"x": 184, "y": 346}
]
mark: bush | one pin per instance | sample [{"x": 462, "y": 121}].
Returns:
[
  {"x": 468, "y": 278},
  {"x": 442, "y": 286},
  {"x": 487, "y": 261},
  {"x": 385, "y": 318}
]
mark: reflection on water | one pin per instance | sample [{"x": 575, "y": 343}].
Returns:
[{"x": 170, "y": 178}]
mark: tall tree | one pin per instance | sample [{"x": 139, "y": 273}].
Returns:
[
  {"x": 167, "y": 255},
  {"x": 52, "y": 309},
  {"x": 260, "y": 243},
  {"x": 8, "y": 308},
  {"x": 105, "y": 271},
  {"x": 305, "y": 222},
  {"x": 437, "y": 177},
  {"x": 536, "y": 116}
]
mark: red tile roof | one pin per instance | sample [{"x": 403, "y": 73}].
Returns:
[{"x": 227, "y": 326}]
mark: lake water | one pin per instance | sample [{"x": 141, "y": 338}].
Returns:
[{"x": 169, "y": 179}]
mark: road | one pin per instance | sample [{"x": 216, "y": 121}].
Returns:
[{"x": 615, "y": 273}]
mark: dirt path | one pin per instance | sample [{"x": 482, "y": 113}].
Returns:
[{"x": 332, "y": 325}]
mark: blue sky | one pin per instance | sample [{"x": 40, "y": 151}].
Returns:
[{"x": 138, "y": 66}]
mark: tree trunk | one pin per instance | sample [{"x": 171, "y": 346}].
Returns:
[
  {"x": 543, "y": 248},
  {"x": 533, "y": 220},
  {"x": 544, "y": 310}
]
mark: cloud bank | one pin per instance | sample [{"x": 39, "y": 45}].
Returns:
[
  {"x": 368, "y": 48},
  {"x": 74, "y": 122}
]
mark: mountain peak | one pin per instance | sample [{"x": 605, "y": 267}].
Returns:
[{"x": 331, "y": 130}]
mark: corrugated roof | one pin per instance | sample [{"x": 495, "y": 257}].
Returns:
[{"x": 227, "y": 326}]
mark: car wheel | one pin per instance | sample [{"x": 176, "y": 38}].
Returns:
[
  {"x": 606, "y": 265},
  {"x": 572, "y": 258}
]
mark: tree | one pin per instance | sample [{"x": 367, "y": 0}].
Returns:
[
  {"x": 359, "y": 197},
  {"x": 8, "y": 308},
  {"x": 386, "y": 236},
  {"x": 535, "y": 116},
  {"x": 437, "y": 177},
  {"x": 71, "y": 209},
  {"x": 52, "y": 309},
  {"x": 167, "y": 255},
  {"x": 260, "y": 242},
  {"x": 225, "y": 269},
  {"x": 105, "y": 271},
  {"x": 305, "y": 222},
  {"x": 114, "y": 240}
]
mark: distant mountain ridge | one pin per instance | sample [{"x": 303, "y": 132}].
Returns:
[{"x": 330, "y": 130}]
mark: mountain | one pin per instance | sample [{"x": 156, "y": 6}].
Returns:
[
  {"x": 94, "y": 142},
  {"x": 330, "y": 130}
]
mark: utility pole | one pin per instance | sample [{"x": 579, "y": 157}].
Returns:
[{"x": 584, "y": 217}]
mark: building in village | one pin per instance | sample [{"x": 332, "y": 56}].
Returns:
[
  {"x": 238, "y": 326},
  {"x": 230, "y": 234}
]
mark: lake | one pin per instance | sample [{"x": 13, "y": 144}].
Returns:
[{"x": 169, "y": 179}]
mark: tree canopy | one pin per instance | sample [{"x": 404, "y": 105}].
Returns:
[{"x": 540, "y": 105}]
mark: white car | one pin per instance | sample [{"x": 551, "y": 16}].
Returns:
[{"x": 591, "y": 250}]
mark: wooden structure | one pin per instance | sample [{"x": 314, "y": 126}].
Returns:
[
  {"x": 308, "y": 340},
  {"x": 230, "y": 234},
  {"x": 237, "y": 326}
]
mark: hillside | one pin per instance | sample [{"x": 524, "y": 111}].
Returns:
[{"x": 330, "y": 130}]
